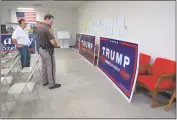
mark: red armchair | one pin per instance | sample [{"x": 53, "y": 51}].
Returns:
[
  {"x": 160, "y": 78},
  {"x": 144, "y": 60}
]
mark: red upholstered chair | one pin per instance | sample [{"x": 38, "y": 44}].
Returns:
[
  {"x": 144, "y": 60},
  {"x": 160, "y": 78}
]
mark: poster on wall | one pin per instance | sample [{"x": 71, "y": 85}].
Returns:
[
  {"x": 119, "y": 61},
  {"x": 30, "y": 27},
  {"x": 7, "y": 44},
  {"x": 76, "y": 46},
  {"x": 3, "y": 29},
  {"x": 10, "y": 27},
  {"x": 87, "y": 47},
  {"x": 30, "y": 17}
]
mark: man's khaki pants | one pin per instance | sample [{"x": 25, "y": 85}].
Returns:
[{"x": 48, "y": 67}]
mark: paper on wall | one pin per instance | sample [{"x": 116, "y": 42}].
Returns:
[
  {"x": 110, "y": 22},
  {"x": 101, "y": 23},
  {"x": 116, "y": 31},
  {"x": 92, "y": 23},
  {"x": 122, "y": 26},
  {"x": 108, "y": 27},
  {"x": 103, "y": 32}
]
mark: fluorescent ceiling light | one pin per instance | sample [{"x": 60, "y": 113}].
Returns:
[{"x": 25, "y": 8}]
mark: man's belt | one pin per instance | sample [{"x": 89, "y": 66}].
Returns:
[
  {"x": 21, "y": 45},
  {"x": 45, "y": 47}
]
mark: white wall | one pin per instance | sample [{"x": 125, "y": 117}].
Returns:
[
  {"x": 150, "y": 23},
  {"x": 65, "y": 19}
]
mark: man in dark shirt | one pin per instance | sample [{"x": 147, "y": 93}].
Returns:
[{"x": 45, "y": 46}]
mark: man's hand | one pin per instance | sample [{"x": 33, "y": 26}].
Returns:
[{"x": 15, "y": 42}]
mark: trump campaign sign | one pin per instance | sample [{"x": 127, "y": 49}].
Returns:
[
  {"x": 119, "y": 61},
  {"x": 87, "y": 47}
]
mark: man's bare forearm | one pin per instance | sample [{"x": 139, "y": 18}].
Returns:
[
  {"x": 54, "y": 43},
  {"x": 14, "y": 41}
]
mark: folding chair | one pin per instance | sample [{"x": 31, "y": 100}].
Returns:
[
  {"x": 8, "y": 55},
  {"x": 4, "y": 53},
  {"x": 7, "y": 64},
  {"x": 20, "y": 88},
  {"x": 2, "y": 103},
  {"x": 29, "y": 69},
  {"x": 8, "y": 79}
]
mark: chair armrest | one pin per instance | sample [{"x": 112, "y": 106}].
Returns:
[
  {"x": 144, "y": 67},
  {"x": 167, "y": 76},
  {"x": 162, "y": 78}
]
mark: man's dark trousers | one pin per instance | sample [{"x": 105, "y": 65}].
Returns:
[{"x": 25, "y": 56}]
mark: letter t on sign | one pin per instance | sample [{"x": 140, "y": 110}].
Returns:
[{"x": 103, "y": 48}]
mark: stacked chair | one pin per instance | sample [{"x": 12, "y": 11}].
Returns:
[
  {"x": 11, "y": 71},
  {"x": 8, "y": 68}
]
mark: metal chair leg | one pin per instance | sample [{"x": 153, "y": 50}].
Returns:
[
  {"x": 14, "y": 104},
  {"x": 13, "y": 97},
  {"x": 37, "y": 93},
  {"x": 31, "y": 97},
  {"x": 5, "y": 107}
]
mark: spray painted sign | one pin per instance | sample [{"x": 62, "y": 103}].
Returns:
[
  {"x": 87, "y": 47},
  {"x": 76, "y": 46}
]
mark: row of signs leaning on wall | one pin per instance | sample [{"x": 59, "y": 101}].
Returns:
[
  {"x": 6, "y": 43},
  {"x": 117, "y": 59}
]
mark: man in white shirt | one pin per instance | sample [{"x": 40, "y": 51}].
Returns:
[{"x": 21, "y": 39}]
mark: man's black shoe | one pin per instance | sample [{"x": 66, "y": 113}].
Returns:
[
  {"x": 45, "y": 84},
  {"x": 55, "y": 86}
]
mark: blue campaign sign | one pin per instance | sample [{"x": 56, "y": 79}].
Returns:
[
  {"x": 119, "y": 61},
  {"x": 87, "y": 47},
  {"x": 6, "y": 42}
]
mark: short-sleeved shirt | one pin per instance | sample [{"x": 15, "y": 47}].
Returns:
[
  {"x": 21, "y": 35},
  {"x": 44, "y": 34}
]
